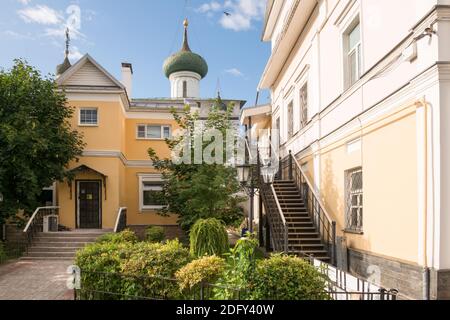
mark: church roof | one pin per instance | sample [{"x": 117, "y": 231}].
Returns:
[{"x": 185, "y": 59}]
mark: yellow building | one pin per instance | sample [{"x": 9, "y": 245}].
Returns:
[{"x": 115, "y": 170}]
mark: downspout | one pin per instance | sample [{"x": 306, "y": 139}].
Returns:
[{"x": 426, "y": 270}]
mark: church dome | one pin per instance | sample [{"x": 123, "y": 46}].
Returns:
[
  {"x": 61, "y": 68},
  {"x": 185, "y": 60}
]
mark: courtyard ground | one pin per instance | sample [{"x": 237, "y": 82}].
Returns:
[{"x": 35, "y": 280}]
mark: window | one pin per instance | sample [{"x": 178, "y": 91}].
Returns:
[
  {"x": 290, "y": 119},
  {"x": 354, "y": 191},
  {"x": 184, "y": 89},
  {"x": 353, "y": 55},
  {"x": 153, "y": 132},
  {"x": 277, "y": 133},
  {"x": 88, "y": 117},
  {"x": 150, "y": 192},
  {"x": 304, "y": 106}
]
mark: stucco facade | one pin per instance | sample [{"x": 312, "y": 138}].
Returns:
[{"x": 375, "y": 84}]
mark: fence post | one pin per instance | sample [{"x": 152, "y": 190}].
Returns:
[
  {"x": 201, "y": 292},
  {"x": 290, "y": 165}
]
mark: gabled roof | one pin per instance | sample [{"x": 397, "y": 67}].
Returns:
[{"x": 85, "y": 68}]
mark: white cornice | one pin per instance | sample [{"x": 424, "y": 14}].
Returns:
[{"x": 118, "y": 155}]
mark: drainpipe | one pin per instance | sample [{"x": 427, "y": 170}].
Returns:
[{"x": 426, "y": 270}]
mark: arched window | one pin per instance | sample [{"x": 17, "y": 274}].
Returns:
[{"x": 184, "y": 89}]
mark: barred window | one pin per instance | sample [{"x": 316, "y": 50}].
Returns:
[
  {"x": 304, "y": 106},
  {"x": 354, "y": 192},
  {"x": 88, "y": 116},
  {"x": 290, "y": 120}
]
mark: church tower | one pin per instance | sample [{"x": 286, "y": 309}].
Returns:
[{"x": 185, "y": 69}]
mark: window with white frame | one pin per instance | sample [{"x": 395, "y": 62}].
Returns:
[
  {"x": 355, "y": 196},
  {"x": 353, "y": 53},
  {"x": 304, "y": 106},
  {"x": 88, "y": 117},
  {"x": 151, "y": 192},
  {"x": 290, "y": 119},
  {"x": 150, "y": 132}
]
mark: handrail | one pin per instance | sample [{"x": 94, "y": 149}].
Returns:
[
  {"x": 121, "y": 214},
  {"x": 313, "y": 190},
  {"x": 278, "y": 204},
  {"x": 34, "y": 216},
  {"x": 283, "y": 219}
]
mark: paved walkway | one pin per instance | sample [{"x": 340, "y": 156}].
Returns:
[{"x": 35, "y": 280}]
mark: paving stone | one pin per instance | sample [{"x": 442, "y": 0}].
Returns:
[{"x": 35, "y": 280}]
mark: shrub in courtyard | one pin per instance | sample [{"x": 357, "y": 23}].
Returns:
[
  {"x": 121, "y": 237},
  {"x": 284, "y": 277},
  {"x": 240, "y": 266},
  {"x": 208, "y": 237},
  {"x": 204, "y": 270},
  {"x": 99, "y": 262},
  {"x": 151, "y": 265},
  {"x": 155, "y": 234}
]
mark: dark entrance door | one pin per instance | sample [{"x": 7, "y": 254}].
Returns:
[{"x": 89, "y": 206}]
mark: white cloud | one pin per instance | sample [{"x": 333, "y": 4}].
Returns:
[
  {"x": 75, "y": 54},
  {"x": 40, "y": 14},
  {"x": 208, "y": 7},
  {"x": 241, "y": 13},
  {"x": 24, "y": 2},
  {"x": 234, "y": 72}
]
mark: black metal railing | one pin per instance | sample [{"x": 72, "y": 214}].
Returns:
[
  {"x": 290, "y": 169},
  {"x": 118, "y": 286},
  {"x": 121, "y": 220},
  {"x": 36, "y": 223}
]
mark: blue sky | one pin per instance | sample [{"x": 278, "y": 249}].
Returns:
[{"x": 145, "y": 33}]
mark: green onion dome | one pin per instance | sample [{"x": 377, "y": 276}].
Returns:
[{"x": 185, "y": 60}]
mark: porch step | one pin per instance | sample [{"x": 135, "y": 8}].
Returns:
[{"x": 61, "y": 245}]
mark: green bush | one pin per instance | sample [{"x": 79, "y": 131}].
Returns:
[
  {"x": 240, "y": 266},
  {"x": 155, "y": 234},
  {"x": 205, "y": 270},
  {"x": 208, "y": 237},
  {"x": 121, "y": 237},
  {"x": 138, "y": 269},
  {"x": 287, "y": 278}
]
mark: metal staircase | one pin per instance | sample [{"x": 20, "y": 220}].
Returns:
[{"x": 296, "y": 219}]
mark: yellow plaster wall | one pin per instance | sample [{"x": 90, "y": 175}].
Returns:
[
  {"x": 389, "y": 161},
  {"x": 108, "y": 135},
  {"x": 107, "y": 166},
  {"x": 136, "y": 149},
  {"x": 131, "y": 194}
]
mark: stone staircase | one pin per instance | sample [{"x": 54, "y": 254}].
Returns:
[
  {"x": 303, "y": 237},
  {"x": 61, "y": 245}
]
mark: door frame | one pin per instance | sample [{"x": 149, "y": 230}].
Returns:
[{"x": 77, "y": 200}]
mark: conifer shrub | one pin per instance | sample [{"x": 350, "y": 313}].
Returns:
[{"x": 208, "y": 237}]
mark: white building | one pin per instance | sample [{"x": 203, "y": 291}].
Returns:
[{"x": 361, "y": 92}]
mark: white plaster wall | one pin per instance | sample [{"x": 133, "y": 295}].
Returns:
[{"x": 193, "y": 84}]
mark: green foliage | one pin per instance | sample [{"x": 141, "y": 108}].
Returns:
[
  {"x": 287, "y": 278},
  {"x": 132, "y": 269},
  {"x": 240, "y": 266},
  {"x": 200, "y": 191},
  {"x": 205, "y": 270},
  {"x": 155, "y": 234},
  {"x": 36, "y": 139},
  {"x": 208, "y": 237},
  {"x": 121, "y": 237}
]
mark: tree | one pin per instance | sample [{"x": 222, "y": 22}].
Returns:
[
  {"x": 206, "y": 190},
  {"x": 36, "y": 139}
]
